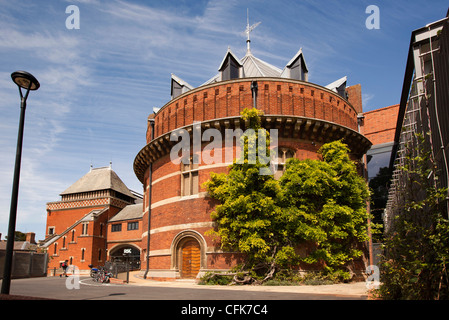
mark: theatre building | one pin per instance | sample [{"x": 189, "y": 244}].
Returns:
[
  {"x": 98, "y": 217},
  {"x": 176, "y": 207}
]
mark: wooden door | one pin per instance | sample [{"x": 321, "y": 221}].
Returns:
[{"x": 191, "y": 255}]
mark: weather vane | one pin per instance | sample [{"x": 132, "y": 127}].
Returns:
[{"x": 249, "y": 29}]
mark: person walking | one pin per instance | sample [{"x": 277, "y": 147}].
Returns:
[{"x": 64, "y": 266}]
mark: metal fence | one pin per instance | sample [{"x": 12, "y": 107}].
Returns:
[{"x": 25, "y": 264}]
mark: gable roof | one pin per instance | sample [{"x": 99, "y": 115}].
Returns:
[
  {"x": 99, "y": 179},
  {"x": 229, "y": 53}
]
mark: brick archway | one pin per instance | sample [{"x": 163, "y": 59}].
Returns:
[{"x": 188, "y": 253}]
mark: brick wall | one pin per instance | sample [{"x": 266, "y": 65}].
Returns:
[
  {"x": 229, "y": 98},
  {"x": 380, "y": 124}
]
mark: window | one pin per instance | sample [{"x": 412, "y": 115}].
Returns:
[
  {"x": 73, "y": 235},
  {"x": 133, "y": 225},
  {"x": 84, "y": 229},
  {"x": 51, "y": 230},
  {"x": 83, "y": 250},
  {"x": 283, "y": 155},
  {"x": 189, "y": 183},
  {"x": 116, "y": 227},
  {"x": 63, "y": 242}
]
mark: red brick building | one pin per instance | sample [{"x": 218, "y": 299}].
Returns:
[
  {"x": 176, "y": 207},
  {"x": 379, "y": 128},
  {"x": 98, "y": 216},
  {"x": 94, "y": 220}
]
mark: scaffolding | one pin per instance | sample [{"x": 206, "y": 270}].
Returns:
[{"x": 417, "y": 116}]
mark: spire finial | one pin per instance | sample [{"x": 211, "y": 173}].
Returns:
[{"x": 248, "y": 30}]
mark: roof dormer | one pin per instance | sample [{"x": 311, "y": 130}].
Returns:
[
  {"x": 296, "y": 68},
  {"x": 230, "y": 67},
  {"x": 339, "y": 86},
  {"x": 178, "y": 86}
]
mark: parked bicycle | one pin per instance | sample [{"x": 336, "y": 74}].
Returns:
[
  {"x": 93, "y": 271},
  {"x": 102, "y": 275}
]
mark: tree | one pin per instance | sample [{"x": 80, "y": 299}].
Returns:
[
  {"x": 318, "y": 202},
  {"x": 328, "y": 199}
]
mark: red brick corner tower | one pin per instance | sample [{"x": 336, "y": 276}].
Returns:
[{"x": 176, "y": 207}]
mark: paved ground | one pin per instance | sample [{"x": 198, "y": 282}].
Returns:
[
  {"x": 354, "y": 290},
  {"x": 141, "y": 289},
  {"x": 178, "y": 299}
]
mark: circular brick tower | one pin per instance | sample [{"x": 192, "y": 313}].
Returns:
[{"x": 176, "y": 206}]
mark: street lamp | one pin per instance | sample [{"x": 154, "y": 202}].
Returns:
[{"x": 24, "y": 80}]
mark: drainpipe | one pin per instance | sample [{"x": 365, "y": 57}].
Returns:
[
  {"x": 254, "y": 93},
  {"x": 360, "y": 120},
  {"x": 150, "y": 181}
]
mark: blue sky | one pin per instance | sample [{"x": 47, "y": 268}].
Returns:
[{"x": 100, "y": 82}]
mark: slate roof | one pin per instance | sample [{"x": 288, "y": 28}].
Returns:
[
  {"x": 99, "y": 179},
  {"x": 132, "y": 211}
]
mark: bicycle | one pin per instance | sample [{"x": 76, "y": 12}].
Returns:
[{"x": 102, "y": 275}]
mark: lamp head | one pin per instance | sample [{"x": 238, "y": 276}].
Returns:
[{"x": 25, "y": 80}]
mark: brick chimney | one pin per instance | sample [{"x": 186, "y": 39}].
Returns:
[{"x": 30, "y": 237}]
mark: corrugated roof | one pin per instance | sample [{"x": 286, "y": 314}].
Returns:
[{"x": 99, "y": 179}]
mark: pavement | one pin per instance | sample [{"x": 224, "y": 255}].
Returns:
[{"x": 354, "y": 289}]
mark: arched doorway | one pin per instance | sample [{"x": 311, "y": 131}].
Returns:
[
  {"x": 126, "y": 253},
  {"x": 190, "y": 259},
  {"x": 188, "y": 254}
]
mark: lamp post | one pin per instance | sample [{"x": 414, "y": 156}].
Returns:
[{"x": 24, "y": 80}]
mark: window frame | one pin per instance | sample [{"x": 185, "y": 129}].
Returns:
[
  {"x": 190, "y": 173},
  {"x": 116, "y": 227}
]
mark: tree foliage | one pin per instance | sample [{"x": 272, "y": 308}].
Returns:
[{"x": 317, "y": 204}]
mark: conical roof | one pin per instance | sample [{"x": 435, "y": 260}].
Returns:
[
  {"x": 99, "y": 179},
  {"x": 254, "y": 67}
]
